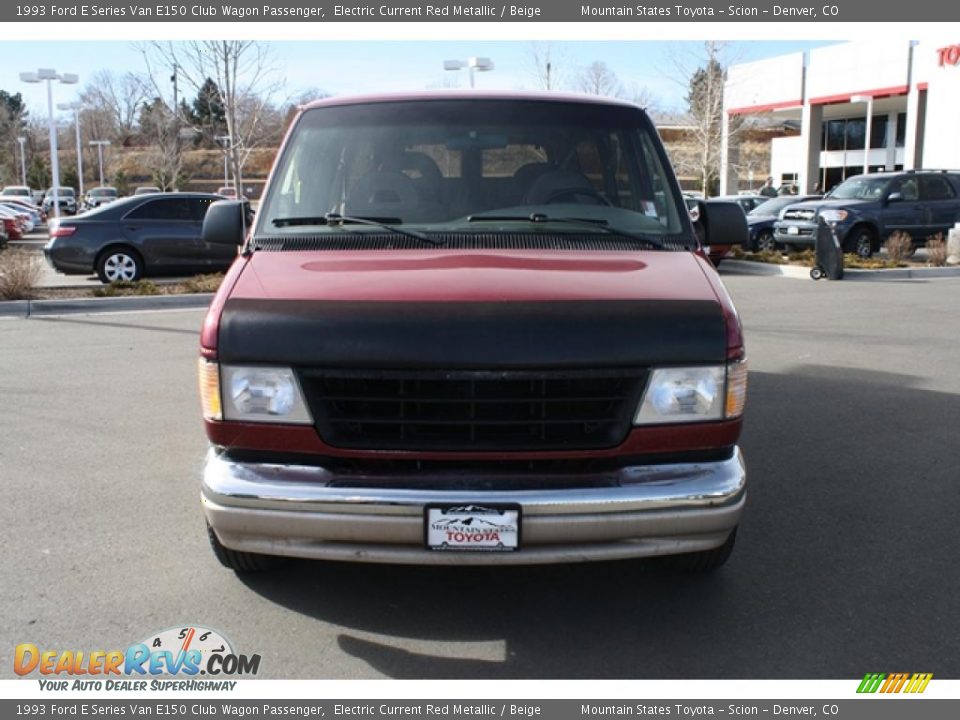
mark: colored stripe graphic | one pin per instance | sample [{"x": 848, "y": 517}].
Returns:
[
  {"x": 870, "y": 683},
  {"x": 919, "y": 682},
  {"x": 894, "y": 683}
]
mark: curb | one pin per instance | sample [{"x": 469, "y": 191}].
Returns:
[
  {"x": 745, "y": 267},
  {"x": 31, "y": 308}
]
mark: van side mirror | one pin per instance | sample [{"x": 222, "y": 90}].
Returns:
[
  {"x": 895, "y": 197},
  {"x": 724, "y": 223},
  {"x": 226, "y": 223}
]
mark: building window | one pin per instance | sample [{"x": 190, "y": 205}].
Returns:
[
  {"x": 901, "y": 130},
  {"x": 856, "y": 133},
  {"x": 850, "y": 134},
  {"x": 878, "y": 132},
  {"x": 835, "y": 134}
]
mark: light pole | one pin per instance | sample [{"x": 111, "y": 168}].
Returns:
[
  {"x": 225, "y": 141},
  {"x": 49, "y": 74},
  {"x": 23, "y": 160},
  {"x": 100, "y": 144},
  {"x": 474, "y": 64},
  {"x": 75, "y": 106},
  {"x": 868, "y": 99}
]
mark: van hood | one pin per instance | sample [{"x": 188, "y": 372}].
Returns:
[
  {"x": 473, "y": 309},
  {"x": 473, "y": 276}
]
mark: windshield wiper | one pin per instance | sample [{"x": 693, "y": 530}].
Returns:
[
  {"x": 336, "y": 219},
  {"x": 595, "y": 223}
]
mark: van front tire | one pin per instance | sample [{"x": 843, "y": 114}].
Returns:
[
  {"x": 238, "y": 561},
  {"x": 702, "y": 562}
]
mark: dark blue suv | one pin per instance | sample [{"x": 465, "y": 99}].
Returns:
[{"x": 867, "y": 209}]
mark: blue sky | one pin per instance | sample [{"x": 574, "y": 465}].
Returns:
[{"x": 343, "y": 67}]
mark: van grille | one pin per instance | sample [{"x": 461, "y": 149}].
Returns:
[{"x": 473, "y": 411}]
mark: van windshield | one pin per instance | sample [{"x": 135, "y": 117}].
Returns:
[{"x": 462, "y": 165}]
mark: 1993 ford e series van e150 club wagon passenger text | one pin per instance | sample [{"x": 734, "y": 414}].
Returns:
[{"x": 472, "y": 328}]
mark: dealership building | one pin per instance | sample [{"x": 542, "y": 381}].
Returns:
[{"x": 859, "y": 106}]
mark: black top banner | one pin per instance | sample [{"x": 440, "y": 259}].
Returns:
[{"x": 530, "y": 11}]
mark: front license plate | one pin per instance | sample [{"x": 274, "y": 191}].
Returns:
[
  {"x": 793, "y": 230},
  {"x": 472, "y": 527}
]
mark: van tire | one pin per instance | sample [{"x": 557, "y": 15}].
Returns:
[
  {"x": 704, "y": 561},
  {"x": 239, "y": 561}
]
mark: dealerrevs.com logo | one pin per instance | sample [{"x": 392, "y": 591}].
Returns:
[
  {"x": 889, "y": 683},
  {"x": 179, "y": 652}
]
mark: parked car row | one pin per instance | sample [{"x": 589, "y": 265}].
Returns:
[
  {"x": 71, "y": 205},
  {"x": 17, "y": 221},
  {"x": 865, "y": 210}
]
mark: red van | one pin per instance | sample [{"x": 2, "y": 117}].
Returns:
[{"x": 472, "y": 328}]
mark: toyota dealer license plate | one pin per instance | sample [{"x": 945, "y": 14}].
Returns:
[{"x": 473, "y": 527}]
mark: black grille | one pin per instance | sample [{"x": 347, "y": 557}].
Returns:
[{"x": 470, "y": 411}]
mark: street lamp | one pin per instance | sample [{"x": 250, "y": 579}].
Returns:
[
  {"x": 100, "y": 145},
  {"x": 75, "y": 106},
  {"x": 225, "y": 141},
  {"x": 474, "y": 64},
  {"x": 868, "y": 99},
  {"x": 23, "y": 160},
  {"x": 49, "y": 75}
]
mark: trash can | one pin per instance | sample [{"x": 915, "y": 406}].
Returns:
[{"x": 829, "y": 255}]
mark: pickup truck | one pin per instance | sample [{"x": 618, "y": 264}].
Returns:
[
  {"x": 865, "y": 210},
  {"x": 471, "y": 328}
]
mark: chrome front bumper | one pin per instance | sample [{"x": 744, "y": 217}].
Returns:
[{"x": 300, "y": 511}]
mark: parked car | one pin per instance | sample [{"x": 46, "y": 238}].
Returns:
[
  {"x": 745, "y": 201},
  {"x": 760, "y": 220},
  {"x": 137, "y": 236},
  {"x": 32, "y": 213},
  {"x": 227, "y": 191},
  {"x": 866, "y": 209},
  {"x": 472, "y": 328},
  {"x": 21, "y": 192},
  {"x": 67, "y": 199},
  {"x": 29, "y": 206},
  {"x": 147, "y": 190},
  {"x": 26, "y": 218},
  {"x": 13, "y": 223},
  {"x": 98, "y": 196}
]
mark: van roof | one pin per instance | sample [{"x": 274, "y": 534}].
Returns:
[{"x": 465, "y": 95}]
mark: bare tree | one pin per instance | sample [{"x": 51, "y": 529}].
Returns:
[
  {"x": 112, "y": 104},
  {"x": 243, "y": 71},
  {"x": 545, "y": 63},
  {"x": 159, "y": 124},
  {"x": 704, "y": 76},
  {"x": 644, "y": 97},
  {"x": 598, "y": 79}
]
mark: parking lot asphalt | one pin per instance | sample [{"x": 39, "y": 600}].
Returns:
[{"x": 845, "y": 562}]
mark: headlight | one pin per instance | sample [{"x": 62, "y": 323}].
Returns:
[
  {"x": 252, "y": 394},
  {"x": 262, "y": 394},
  {"x": 833, "y": 216},
  {"x": 694, "y": 394}
]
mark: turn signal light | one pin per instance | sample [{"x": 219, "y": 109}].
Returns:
[{"x": 209, "y": 375}]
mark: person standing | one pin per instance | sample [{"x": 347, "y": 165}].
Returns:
[{"x": 768, "y": 190}]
